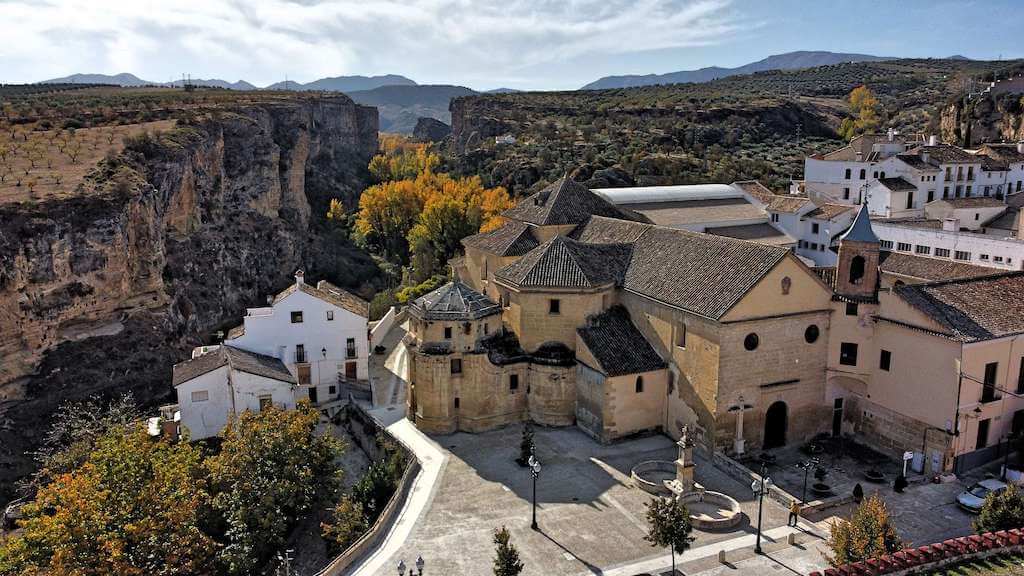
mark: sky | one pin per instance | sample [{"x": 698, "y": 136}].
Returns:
[{"x": 522, "y": 44}]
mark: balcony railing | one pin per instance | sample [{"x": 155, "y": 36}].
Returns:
[
  {"x": 300, "y": 358},
  {"x": 350, "y": 353}
]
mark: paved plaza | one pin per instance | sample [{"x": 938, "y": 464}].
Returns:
[{"x": 591, "y": 517}]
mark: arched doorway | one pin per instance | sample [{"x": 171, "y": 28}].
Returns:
[{"x": 775, "y": 425}]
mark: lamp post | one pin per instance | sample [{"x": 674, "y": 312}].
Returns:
[
  {"x": 419, "y": 567},
  {"x": 759, "y": 488},
  {"x": 806, "y": 466},
  {"x": 535, "y": 472}
]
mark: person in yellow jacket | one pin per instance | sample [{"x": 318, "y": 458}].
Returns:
[{"x": 794, "y": 513}]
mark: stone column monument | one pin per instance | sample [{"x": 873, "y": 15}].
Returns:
[{"x": 684, "y": 464}]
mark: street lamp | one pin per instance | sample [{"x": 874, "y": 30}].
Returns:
[
  {"x": 806, "y": 466},
  {"x": 759, "y": 488},
  {"x": 535, "y": 472},
  {"x": 419, "y": 567}
]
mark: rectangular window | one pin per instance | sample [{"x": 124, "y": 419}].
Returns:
[
  {"x": 297, "y": 317},
  {"x": 266, "y": 401},
  {"x": 863, "y": 173},
  {"x": 959, "y": 191},
  {"x": 848, "y": 175},
  {"x": 983, "y": 257},
  {"x": 931, "y": 195},
  {"x": 961, "y": 255},
  {"x": 350, "y": 348},
  {"x": 885, "y": 360},
  {"x": 681, "y": 336},
  {"x": 300, "y": 353},
  {"x": 983, "y": 426},
  {"x": 942, "y": 252},
  {"x": 945, "y": 192},
  {"x": 456, "y": 365},
  {"x": 997, "y": 258},
  {"x": 639, "y": 384},
  {"x": 887, "y": 244},
  {"x": 846, "y": 193},
  {"x": 903, "y": 247},
  {"x": 848, "y": 354},
  {"x": 513, "y": 382},
  {"x": 447, "y": 332},
  {"x": 814, "y": 228},
  {"x": 919, "y": 249},
  {"x": 851, "y": 308},
  {"x": 988, "y": 390},
  {"x": 910, "y": 200},
  {"x": 1020, "y": 377},
  {"x": 814, "y": 245},
  {"x": 970, "y": 172},
  {"x": 554, "y": 306},
  {"x": 967, "y": 192},
  {"x": 775, "y": 217},
  {"x": 204, "y": 395},
  {"x": 332, "y": 390},
  {"x": 330, "y": 315}
]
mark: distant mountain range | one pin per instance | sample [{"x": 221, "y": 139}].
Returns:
[
  {"x": 337, "y": 84},
  {"x": 401, "y": 106},
  {"x": 787, "y": 61}
]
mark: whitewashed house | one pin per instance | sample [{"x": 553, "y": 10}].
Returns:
[
  {"x": 319, "y": 332},
  {"x": 221, "y": 381}
]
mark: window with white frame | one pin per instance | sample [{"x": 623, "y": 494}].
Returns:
[{"x": 200, "y": 395}]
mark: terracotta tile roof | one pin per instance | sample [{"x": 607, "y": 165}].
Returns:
[
  {"x": 565, "y": 263},
  {"x": 829, "y": 211},
  {"x": 911, "y": 222},
  {"x": 565, "y": 202},
  {"x": 859, "y": 148},
  {"x": 972, "y": 309},
  {"x": 763, "y": 232},
  {"x": 514, "y": 238},
  {"x": 755, "y": 189},
  {"x": 701, "y": 273},
  {"x": 917, "y": 162},
  {"x": 897, "y": 184},
  {"x": 617, "y": 345},
  {"x": 929, "y": 269},
  {"x": 975, "y": 202},
  {"x": 454, "y": 301},
  {"x": 328, "y": 292},
  {"x": 787, "y": 204},
  {"x": 237, "y": 359},
  {"x": 1003, "y": 152},
  {"x": 945, "y": 154}
]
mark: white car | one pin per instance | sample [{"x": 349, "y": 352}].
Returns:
[{"x": 974, "y": 498}]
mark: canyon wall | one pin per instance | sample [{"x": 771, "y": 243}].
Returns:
[
  {"x": 163, "y": 246},
  {"x": 986, "y": 118}
]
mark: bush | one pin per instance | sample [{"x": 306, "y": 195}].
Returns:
[
  {"x": 1001, "y": 511},
  {"x": 868, "y": 533},
  {"x": 347, "y": 525},
  {"x": 410, "y": 293}
]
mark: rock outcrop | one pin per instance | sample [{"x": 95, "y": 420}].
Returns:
[
  {"x": 986, "y": 118},
  {"x": 168, "y": 243},
  {"x": 430, "y": 130}
]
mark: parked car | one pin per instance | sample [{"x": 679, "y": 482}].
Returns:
[{"x": 974, "y": 497}]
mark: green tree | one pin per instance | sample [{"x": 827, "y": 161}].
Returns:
[
  {"x": 135, "y": 506},
  {"x": 869, "y": 533},
  {"x": 272, "y": 467},
  {"x": 1001, "y": 511},
  {"x": 669, "y": 525},
  {"x": 506, "y": 560},
  {"x": 347, "y": 524},
  {"x": 865, "y": 111}
]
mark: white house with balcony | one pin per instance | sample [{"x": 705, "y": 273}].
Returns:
[
  {"x": 319, "y": 332},
  {"x": 222, "y": 381}
]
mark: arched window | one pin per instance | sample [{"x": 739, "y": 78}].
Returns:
[
  {"x": 857, "y": 270},
  {"x": 639, "y": 384}
]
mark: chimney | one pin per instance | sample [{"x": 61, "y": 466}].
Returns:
[
  {"x": 1020, "y": 146},
  {"x": 891, "y": 134},
  {"x": 951, "y": 224},
  {"x": 933, "y": 140},
  {"x": 299, "y": 274}
]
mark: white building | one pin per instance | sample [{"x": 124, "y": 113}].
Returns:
[
  {"x": 945, "y": 240},
  {"x": 221, "y": 381},
  {"x": 319, "y": 332},
  {"x": 817, "y": 229}
]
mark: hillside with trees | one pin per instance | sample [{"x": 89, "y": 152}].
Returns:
[{"x": 754, "y": 126}]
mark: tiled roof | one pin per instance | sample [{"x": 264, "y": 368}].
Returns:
[
  {"x": 565, "y": 202},
  {"x": 786, "y": 204},
  {"x": 514, "y": 238},
  {"x": 1016, "y": 200},
  {"x": 701, "y": 273},
  {"x": 328, "y": 292},
  {"x": 454, "y": 301},
  {"x": 763, "y": 232},
  {"x": 696, "y": 211},
  {"x": 1009, "y": 220},
  {"x": 755, "y": 189},
  {"x": 975, "y": 202},
  {"x": 972, "y": 309},
  {"x": 829, "y": 211},
  {"x": 990, "y": 164},
  {"x": 1003, "y": 152},
  {"x": 859, "y": 148},
  {"x": 238, "y": 359},
  {"x": 897, "y": 184},
  {"x": 916, "y": 162},
  {"x": 912, "y": 222},
  {"x": 617, "y": 345},
  {"x": 929, "y": 269},
  {"x": 945, "y": 154},
  {"x": 860, "y": 230},
  {"x": 565, "y": 263}
]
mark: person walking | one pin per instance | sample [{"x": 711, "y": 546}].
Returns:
[{"x": 794, "y": 513}]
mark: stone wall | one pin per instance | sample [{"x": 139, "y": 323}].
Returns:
[{"x": 529, "y": 318}]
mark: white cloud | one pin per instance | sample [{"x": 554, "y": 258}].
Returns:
[{"x": 262, "y": 40}]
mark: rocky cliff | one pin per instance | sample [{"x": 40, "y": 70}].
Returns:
[
  {"x": 164, "y": 245},
  {"x": 986, "y": 118}
]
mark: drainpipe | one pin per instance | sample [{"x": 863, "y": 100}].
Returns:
[{"x": 956, "y": 414}]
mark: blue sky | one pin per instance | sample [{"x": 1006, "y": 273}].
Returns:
[{"x": 525, "y": 44}]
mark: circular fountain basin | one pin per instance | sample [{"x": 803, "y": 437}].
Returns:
[
  {"x": 712, "y": 511},
  {"x": 651, "y": 476}
]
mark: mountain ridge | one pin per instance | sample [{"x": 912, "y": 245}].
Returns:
[
  {"x": 785, "y": 61},
  {"x": 331, "y": 84}
]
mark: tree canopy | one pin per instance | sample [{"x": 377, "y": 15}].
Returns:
[
  {"x": 1001, "y": 511},
  {"x": 865, "y": 111},
  {"x": 869, "y": 533}
]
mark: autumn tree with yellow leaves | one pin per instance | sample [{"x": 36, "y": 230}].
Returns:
[{"x": 866, "y": 113}]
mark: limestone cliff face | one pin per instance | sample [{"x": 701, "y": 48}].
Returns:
[
  {"x": 985, "y": 119},
  {"x": 167, "y": 243}
]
